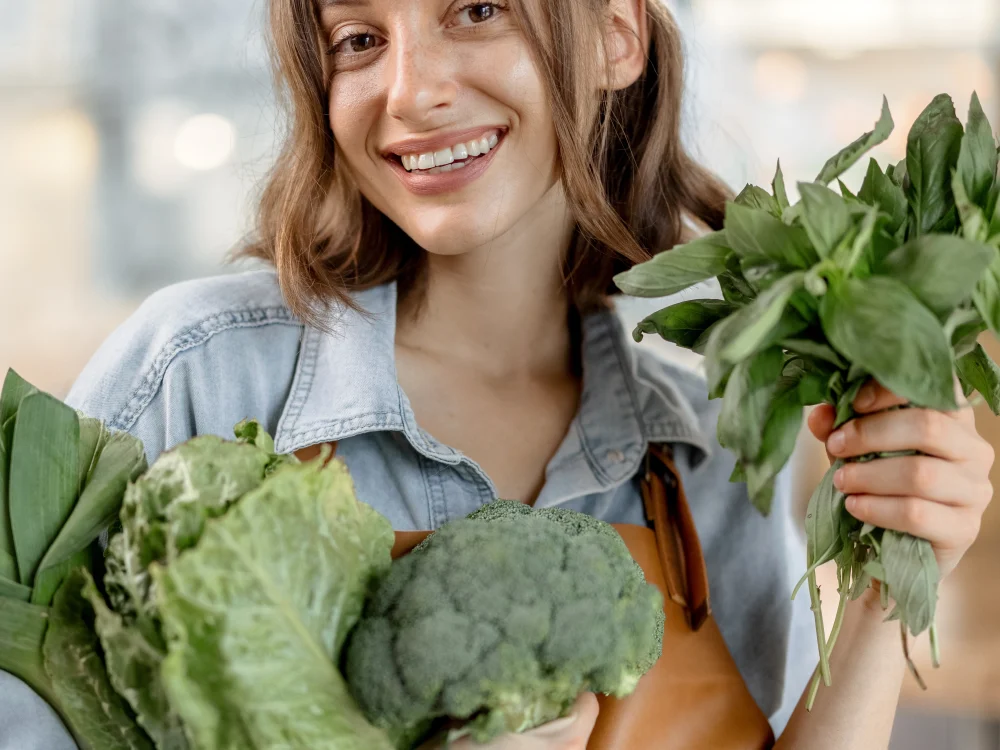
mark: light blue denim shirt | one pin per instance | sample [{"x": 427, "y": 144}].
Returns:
[{"x": 199, "y": 357}]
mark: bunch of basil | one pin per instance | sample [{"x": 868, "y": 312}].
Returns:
[{"x": 894, "y": 283}]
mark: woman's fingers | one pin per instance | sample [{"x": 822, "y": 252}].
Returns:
[
  {"x": 946, "y": 527},
  {"x": 935, "y": 433},
  {"x": 917, "y": 476}
]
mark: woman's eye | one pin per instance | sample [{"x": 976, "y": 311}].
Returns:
[
  {"x": 360, "y": 43},
  {"x": 480, "y": 12}
]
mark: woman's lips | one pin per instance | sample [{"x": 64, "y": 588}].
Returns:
[{"x": 422, "y": 183}]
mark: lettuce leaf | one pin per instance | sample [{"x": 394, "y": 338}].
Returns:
[
  {"x": 98, "y": 717},
  {"x": 255, "y": 615},
  {"x": 165, "y": 511}
]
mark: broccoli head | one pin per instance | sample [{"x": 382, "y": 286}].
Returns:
[{"x": 501, "y": 620}]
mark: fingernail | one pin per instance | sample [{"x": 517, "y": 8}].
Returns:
[
  {"x": 836, "y": 442},
  {"x": 865, "y": 397},
  {"x": 838, "y": 478}
]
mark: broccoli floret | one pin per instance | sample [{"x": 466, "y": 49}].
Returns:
[{"x": 502, "y": 619}]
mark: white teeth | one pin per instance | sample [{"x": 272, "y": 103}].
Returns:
[
  {"x": 450, "y": 158},
  {"x": 442, "y": 157}
]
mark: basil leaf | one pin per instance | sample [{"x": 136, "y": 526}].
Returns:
[
  {"x": 815, "y": 349},
  {"x": 845, "y": 404},
  {"x": 685, "y": 322},
  {"x": 754, "y": 197},
  {"x": 847, "y": 157},
  {"x": 857, "y": 258},
  {"x": 977, "y": 159},
  {"x": 765, "y": 321},
  {"x": 735, "y": 287},
  {"x": 879, "y": 190},
  {"x": 758, "y": 237},
  {"x": 73, "y": 662},
  {"x": 747, "y": 401},
  {"x": 761, "y": 276},
  {"x": 825, "y": 216},
  {"x": 701, "y": 344},
  {"x": 677, "y": 269},
  {"x": 940, "y": 270},
  {"x": 738, "y": 475},
  {"x": 963, "y": 328},
  {"x": 846, "y": 191},
  {"x": 778, "y": 187},
  {"x": 979, "y": 370},
  {"x": 899, "y": 175},
  {"x": 781, "y": 431},
  {"x": 974, "y": 227},
  {"x": 812, "y": 389},
  {"x": 993, "y": 211},
  {"x": 878, "y": 324},
  {"x": 931, "y": 153},
  {"x": 986, "y": 295},
  {"x": 823, "y": 518},
  {"x": 911, "y": 572}
]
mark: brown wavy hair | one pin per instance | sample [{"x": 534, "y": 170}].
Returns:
[{"x": 628, "y": 179}]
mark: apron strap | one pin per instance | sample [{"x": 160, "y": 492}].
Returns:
[{"x": 669, "y": 514}]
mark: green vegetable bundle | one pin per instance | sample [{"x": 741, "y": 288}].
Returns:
[
  {"x": 62, "y": 478},
  {"x": 500, "y": 620},
  {"x": 894, "y": 283},
  {"x": 231, "y": 587},
  {"x": 219, "y": 616}
]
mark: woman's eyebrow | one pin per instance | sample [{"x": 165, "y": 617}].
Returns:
[{"x": 342, "y": 3}]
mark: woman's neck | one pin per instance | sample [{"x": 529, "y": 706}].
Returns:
[{"x": 502, "y": 308}]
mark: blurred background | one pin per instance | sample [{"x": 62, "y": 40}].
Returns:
[{"x": 134, "y": 134}]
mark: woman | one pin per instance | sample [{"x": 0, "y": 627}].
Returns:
[{"x": 460, "y": 182}]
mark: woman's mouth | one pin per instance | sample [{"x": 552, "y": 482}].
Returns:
[{"x": 449, "y": 168}]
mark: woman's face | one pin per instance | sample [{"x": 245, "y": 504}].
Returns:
[{"x": 440, "y": 114}]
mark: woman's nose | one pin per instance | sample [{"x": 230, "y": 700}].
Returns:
[{"x": 422, "y": 79}]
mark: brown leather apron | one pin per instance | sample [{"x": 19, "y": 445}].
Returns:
[{"x": 694, "y": 697}]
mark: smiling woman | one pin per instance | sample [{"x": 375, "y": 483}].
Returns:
[
  {"x": 459, "y": 185},
  {"x": 567, "y": 133}
]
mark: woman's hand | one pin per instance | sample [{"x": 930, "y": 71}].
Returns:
[
  {"x": 940, "y": 496},
  {"x": 568, "y": 733}
]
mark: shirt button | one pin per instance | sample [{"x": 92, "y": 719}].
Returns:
[{"x": 616, "y": 456}]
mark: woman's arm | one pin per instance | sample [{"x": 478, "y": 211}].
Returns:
[
  {"x": 867, "y": 667},
  {"x": 939, "y": 495}
]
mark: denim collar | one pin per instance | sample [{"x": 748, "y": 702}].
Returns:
[{"x": 345, "y": 384}]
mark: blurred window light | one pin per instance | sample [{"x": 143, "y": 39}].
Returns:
[
  {"x": 204, "y": 142},
  {"x": 845, "y": 26},
  {"x": 973, "y": 72},
  {"x": 58, "y": 150},
  {"x": 153, "y": 133},
  {"x": 780, "y": 76}
]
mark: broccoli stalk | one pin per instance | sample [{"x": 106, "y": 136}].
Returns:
[{"x": 500, "y": 620}]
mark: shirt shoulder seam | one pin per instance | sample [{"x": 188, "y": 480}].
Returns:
[{"x": 188, "y": 338}]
